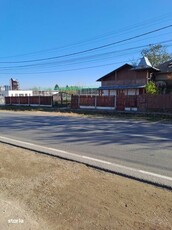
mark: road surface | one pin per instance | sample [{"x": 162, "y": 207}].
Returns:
[{"x": 137, "y": 144}]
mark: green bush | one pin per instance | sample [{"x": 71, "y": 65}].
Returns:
[{"x": 151, "y": 88}]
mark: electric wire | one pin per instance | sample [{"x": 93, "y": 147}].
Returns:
[
  {"x": 123, "y": 30},
  {"x": 80, "y": 60},
  {"x": 91, "y": 49}
]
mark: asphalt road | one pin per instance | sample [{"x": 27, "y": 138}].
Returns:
[{"x": 131, "y": 143}]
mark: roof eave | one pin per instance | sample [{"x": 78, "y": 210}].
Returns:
[
  {"x": 121, "y": 87},
  {"x": 146, "y": 68},
  {"x": 100, "y": 79}
]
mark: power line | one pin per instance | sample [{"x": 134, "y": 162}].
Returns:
[
  {"x": 132, "y": 27},
  {"x": 90, "y": 58},
  {"x": 91, "y": 49},
  {"x": 68, "y": 70}
]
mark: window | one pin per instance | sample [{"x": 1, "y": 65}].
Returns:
[{"x": 120, "y": 92}]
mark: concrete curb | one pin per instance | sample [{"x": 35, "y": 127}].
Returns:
[{"x": 132, "y": 173}]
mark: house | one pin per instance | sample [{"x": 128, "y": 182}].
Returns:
[
  {"x": 127, "y": 79},
  {"x": 163, "y": 78}
]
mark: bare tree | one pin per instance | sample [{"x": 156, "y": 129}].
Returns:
[{"x": 157, "y": 54}]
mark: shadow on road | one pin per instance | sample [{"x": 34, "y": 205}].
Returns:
[{"x": 89, "y": 130}]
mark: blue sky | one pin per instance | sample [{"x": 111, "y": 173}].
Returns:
[{"x": 41, "y": 41}]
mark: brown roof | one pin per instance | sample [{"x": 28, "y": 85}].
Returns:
[
  {"x": 121, "y": 67},
  {"x": 166, "y": 67}
]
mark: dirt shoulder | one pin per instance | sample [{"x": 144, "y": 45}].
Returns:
[
  {"x": 147, "y": 116},
  {"x": 42, "y": 192}
]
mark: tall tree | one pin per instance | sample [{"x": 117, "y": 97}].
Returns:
[
  {"x": 56, "y": 87},
  {"x": 157, "y": 54}
]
